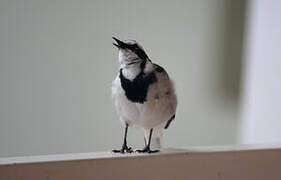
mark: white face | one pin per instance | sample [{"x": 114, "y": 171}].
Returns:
[
  {"x": 127, "y": 56},
  {"x": 130, "y": 52}
]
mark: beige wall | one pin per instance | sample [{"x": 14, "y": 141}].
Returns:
[{"x": 57, "y": 63}]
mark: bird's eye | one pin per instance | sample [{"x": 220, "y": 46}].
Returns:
[{"x": 133, "y": 47}]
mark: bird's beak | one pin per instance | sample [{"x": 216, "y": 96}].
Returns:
[{"x": 120, "y": 44}]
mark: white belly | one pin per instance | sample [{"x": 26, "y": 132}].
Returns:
[{"x": 151, "y": 113}]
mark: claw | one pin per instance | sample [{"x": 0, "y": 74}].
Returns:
[
  {"x": 124, "y": 149},
  {"x": 147, "y": 150}
]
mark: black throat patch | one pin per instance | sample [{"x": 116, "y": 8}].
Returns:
[{"x": 136, "y": 89}]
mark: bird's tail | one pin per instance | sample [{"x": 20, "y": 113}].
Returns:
[
  {"x": 156, "y": 143},
  {"x": 156, "y": 139}
]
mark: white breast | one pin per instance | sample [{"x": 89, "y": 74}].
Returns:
[{"x": 160, "y": 105}]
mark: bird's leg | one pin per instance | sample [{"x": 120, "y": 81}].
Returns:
[
  {"x": 147, "y": 149},
  {"x": 125, "y": 148}
]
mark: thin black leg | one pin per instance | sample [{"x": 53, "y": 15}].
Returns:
[
  {"x": 125, "y": 148},
  {"x": 147, "y": 149}
]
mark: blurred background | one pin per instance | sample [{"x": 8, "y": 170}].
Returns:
[{"x": 57, "y": 63}]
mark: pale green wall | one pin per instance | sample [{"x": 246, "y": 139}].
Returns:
[{"x": 57, "y": 63}]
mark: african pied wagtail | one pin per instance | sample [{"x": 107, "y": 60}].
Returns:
[{"x": 143, "y": 95}]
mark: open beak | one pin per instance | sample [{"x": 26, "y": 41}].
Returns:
[{"x": 119, "y": 44}]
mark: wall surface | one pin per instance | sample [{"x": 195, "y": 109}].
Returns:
[
  {"x": 57, "y": 63},
  {"x": 260, "y": 122}
]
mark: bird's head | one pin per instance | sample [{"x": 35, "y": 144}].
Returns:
[{"x": 130, "y": 52}]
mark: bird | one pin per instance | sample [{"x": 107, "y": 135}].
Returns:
[{"x": 143, "y": 95}]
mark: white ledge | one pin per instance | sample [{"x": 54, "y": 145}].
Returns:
[
  {"x": 110, "y": 155},
  {"x": 213, "y": 162}
]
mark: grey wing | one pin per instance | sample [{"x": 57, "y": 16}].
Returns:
[
  {"x": 167, "y": 91},
  {"x": 169, "y": 121}
]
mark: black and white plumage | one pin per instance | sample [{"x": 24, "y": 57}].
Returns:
[{"x": 143, "y": 94}]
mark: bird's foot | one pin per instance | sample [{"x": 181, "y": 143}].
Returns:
[
  {"x": 124, "y": 149},
  {"x": 147, "y": 150}
]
